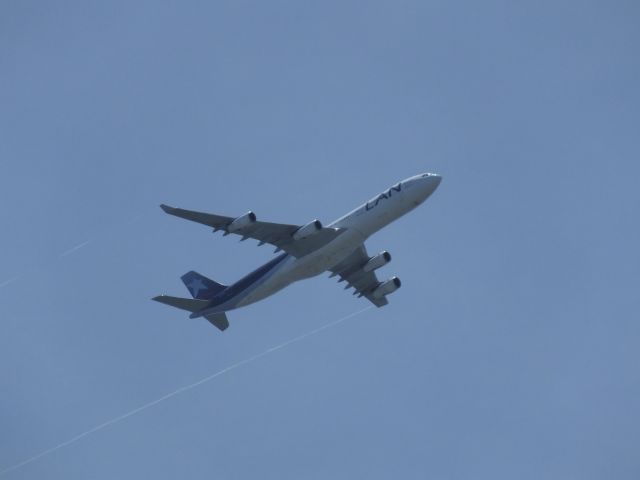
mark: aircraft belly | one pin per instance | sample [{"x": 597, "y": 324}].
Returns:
[
  {"x": 304, "y": 267},
  {"x": 266, "y": 289},
  {"x": 268, "y": 286},
  {"x": 328, "y": 256}
]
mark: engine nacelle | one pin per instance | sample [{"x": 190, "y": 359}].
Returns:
[
  {"x": 377, "y": 261},
  {"x": 385, "y": 288},
  {"x": 242, "y": 222},
  {"x": 307, "y": 230}
]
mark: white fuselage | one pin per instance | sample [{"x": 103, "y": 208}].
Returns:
[{"x": 358, "y": 225}]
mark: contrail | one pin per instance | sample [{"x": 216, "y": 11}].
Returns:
[
  {"x": 73, "y": 249},
  {"x": 10, "y": 280},
  {"x": 178, "y": 392},
  {"x": 49, "y": 262},
  {"x": 63, "y": 254}
]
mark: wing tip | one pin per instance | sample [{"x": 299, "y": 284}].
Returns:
[{"x": 166, "y": 208}]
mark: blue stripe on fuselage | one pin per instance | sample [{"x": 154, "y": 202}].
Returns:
[{"x": 246, "y": 282}]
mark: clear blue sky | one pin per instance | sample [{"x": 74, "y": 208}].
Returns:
[{"x": 512, "y": 348}]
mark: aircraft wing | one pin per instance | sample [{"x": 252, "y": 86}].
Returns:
[
  {"x": 278, "y": 234},
  {"x": 350, "y": 270}
]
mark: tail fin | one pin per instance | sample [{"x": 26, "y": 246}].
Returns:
[{"x": 201, "y": 287}]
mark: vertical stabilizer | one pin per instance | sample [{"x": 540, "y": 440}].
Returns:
[{"x": 201, "y": 287}]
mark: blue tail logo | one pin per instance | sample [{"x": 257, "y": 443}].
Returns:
[{"x": 201, "y": 287}]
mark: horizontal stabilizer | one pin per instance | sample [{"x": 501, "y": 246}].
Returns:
[
  {"x": 188, "y": 304},
  {"x": 218, "y": 320}
]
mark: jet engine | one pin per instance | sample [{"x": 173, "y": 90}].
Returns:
[
  {"x": 307, "y": 230},
  {"x": 242, "y": 222},
  {"x": 387, "y": 287},
  {"x": 377, "y": 261}
]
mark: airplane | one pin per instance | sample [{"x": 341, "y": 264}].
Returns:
[{"x": 308, "y": 250}]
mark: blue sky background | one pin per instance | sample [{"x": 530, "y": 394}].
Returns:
[{"x": 511, "y": 351}]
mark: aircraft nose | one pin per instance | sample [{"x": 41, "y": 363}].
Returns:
[{"x": 432, "y": 181}]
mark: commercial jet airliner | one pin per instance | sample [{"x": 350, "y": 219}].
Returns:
[{"x": 308, "y": 250}]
